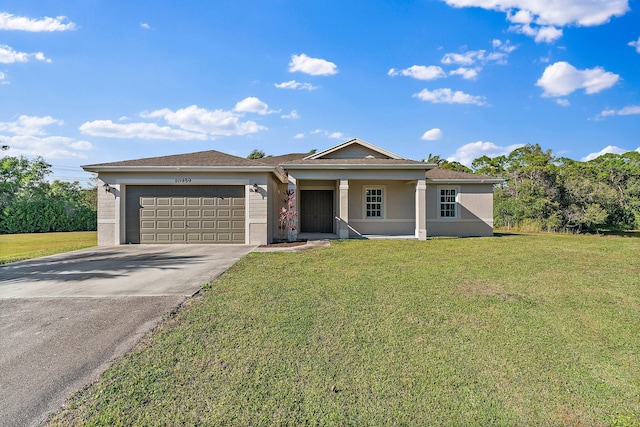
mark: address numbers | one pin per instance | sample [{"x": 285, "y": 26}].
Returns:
[{"x": 182, "y": 180}]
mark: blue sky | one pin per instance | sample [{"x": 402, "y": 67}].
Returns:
[{"x": 85, "y": 82}]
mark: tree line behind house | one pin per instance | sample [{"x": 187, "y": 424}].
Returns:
[
  {"x": 542, "y": 192},
  {"x": 31, "y": 204}
]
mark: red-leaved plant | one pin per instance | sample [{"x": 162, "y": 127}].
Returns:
[{"x": 288, "y": 215}]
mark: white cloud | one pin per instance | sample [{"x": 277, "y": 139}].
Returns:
[
  {"x": 469, "y": 152},
  {"x": 546, "y": 15},
  {"x": 8, "y": 55},
  {"x": 299, "y": 136},
  {"x": 3, "y": 78},
  {"x": 27, "y": 136},
  {"x": 140, "y": 130},
  {"x": 145, "y": 25},
  {"x": 292, "y": 84},
  {"x": 190, "y": 123},
  {"x": 420, "y": 72},
  {"x": 466, "y": 73},
  {"x": 432, "y": 135},
  {"x": 328, "y": 134},
  {"x": 626, "y": 111},
  {"x": 635, "y": 44},
  {"x": 253, "y": 105},
  {"x": 207, "y": 122},
  {"x": 29, "y": 125},
  {"x": 630, "y": 110},
  {"x": 562, "y": 78},
  {"x": 447, "y": 96},
  {"x": 292, "y": 115},
  {"x": 563, "y": 102},
  {"x": 46, "y": 24},
  {"x": 503, "y": 46},
  {"x": 608, "y": 149},
  {"x": 467, "y": 58},
  {"x": 312, "y": 66},
  {"x": 474, "y": 56}
]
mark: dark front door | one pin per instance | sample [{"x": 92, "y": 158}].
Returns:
[{"x": 316, "y": 211}]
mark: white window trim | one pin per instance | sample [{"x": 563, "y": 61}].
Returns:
[
  {"x": 364, "y": 202},
  {"x": 457, "y": 202}
]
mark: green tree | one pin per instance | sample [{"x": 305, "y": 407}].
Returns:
[
  {"x": 29, "y": 203},
  {"x": 256, "y": 154}
]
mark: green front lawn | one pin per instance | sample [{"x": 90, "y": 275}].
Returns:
[
  {"x": 17, "y": 247},
  {"x": 511, "y": 330}
]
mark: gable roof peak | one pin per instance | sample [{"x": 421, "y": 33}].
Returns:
[{"x": 351, "y": 142}]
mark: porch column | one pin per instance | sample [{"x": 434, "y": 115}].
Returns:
[
  {"x": 343, "y": 215},
  {"x": 421, "y": 209},
  {"x": 292, "y": 235}
]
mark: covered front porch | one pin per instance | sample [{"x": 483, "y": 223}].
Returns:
[{"x": 359, "y": 207}]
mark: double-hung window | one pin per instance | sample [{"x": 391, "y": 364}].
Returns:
[
  {"x": 373, "y": 203},
  {"x": 447, "y": 204}
]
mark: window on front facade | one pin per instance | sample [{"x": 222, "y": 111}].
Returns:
[
  {"x": 448, "y": 202},
  {"x": 373, "y": 203}
]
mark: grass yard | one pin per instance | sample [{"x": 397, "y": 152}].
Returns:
[
  {"x": 512, "y": 330},
  {"x": 17, "y": 247}
]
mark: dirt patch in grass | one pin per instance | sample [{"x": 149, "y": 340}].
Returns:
[{"x": 485, "y": 289}]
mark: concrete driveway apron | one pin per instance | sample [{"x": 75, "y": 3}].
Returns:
[{"x": 65, "y": 318}]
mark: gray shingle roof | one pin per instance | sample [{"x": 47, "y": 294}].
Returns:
[{"x": 201, "y": 158}]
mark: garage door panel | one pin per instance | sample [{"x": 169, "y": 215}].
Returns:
[
  {"x": 147, "y": 225},
  {"x": 185, "y": 214},
  {"x": 177, "y": 225},
  {"x": 224, "y": 237}
]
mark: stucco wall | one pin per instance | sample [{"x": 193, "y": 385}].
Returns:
[
  {"x": 475, "y": 211},
  {"x": 107, "y": 212},
  {"x": 111, "y": 207},
  {"x": 399, "y": 208},
  {"x": 353, "y": 152}
]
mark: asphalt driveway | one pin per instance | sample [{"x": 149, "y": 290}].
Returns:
[{"x": 65, "y": 318}]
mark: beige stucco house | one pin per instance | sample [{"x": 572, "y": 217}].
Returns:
[{"x": 351, "y": 190}]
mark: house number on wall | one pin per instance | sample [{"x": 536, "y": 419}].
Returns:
[{"x": 181, "y": 180}]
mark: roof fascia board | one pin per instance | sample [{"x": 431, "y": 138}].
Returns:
[
  {"x": 290, "y": 166},
  {"x": 255, "y": 169}
]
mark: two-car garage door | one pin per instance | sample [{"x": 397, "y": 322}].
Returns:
[{"x": 185, "y": 214}]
